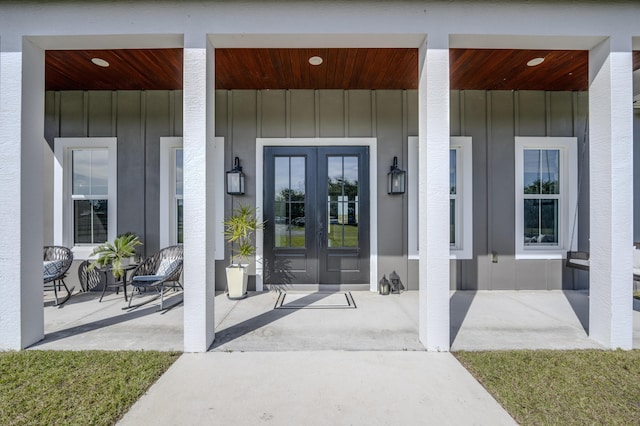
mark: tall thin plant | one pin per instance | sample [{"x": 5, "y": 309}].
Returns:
[{"x": 240, "y": 232}]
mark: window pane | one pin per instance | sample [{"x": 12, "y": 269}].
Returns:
[
  {"x": 289, "y": 203},
  {"x": 81, "y": 170},
  {"x": 298, "y": 178},
  {"x": 281, "y": 230},
  {"x": 549, "y": 222},
  {"x": 452, "y": 222},
  {"x": 82, "y": 212},
  {"x": 179, "y": 171},
  {"x": 334, "y": 236},
  {"x": 550, "y": 171},
  {"x": 350, "y": 176},
  {"x": 531, "y": 176},
  {"x": 90, "y": 221},
  {"x": 89, "y": 172},
  {"x": 334, "y": 166},
  {"x": 282, "y": 178},
  {"x": 531, "y": 221},
  {"x": 343, "y": 201},
  {"x": 541, "y": 222},
  {"x": 180, "y": 220},
  {"x": 99, "y": 172},
  {"x": 452, "y": 170}
]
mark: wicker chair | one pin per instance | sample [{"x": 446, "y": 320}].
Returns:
[
  {"x": 160, "y": 272},
  {"x": 90, "y": 278},
  {"x": 57, "y": 260}
]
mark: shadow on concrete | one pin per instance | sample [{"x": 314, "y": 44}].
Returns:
[
  {"x": 245, "y": 327},
  {"x": 97, "y": 325},
  {"x": 579, "y": 302},
  {"x": 459, "y": 304}
]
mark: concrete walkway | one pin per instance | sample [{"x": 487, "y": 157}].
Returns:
[{"x": 317, "y": 388}]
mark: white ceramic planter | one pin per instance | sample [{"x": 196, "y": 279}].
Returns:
[{"x": 237, "y": 278}]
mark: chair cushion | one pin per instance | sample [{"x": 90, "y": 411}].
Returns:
[
  {"x": 52, "y": 268},
  {"x": 168, "y": 266},
  {"x": 148, "y": 278}
]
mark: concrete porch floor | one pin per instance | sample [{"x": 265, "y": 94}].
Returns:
[{"x": 479, "y": 321}]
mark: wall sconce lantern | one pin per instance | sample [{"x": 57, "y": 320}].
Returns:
[
  {"x": 235, "y": 179},
  {"x": 397, "y": 179}
]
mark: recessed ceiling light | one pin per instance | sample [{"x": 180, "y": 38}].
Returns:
[
  {"x": 315, "y": 60},
  {"x": 535, "y": 61},
  {"x": 100, "y": 62}
]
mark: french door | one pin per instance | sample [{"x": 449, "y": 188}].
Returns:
[{"x": 316, "y": 206}]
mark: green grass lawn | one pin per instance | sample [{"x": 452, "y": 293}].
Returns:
[
  {"x": 561, "y": 387},
  {"x": 79, "y": 388}
]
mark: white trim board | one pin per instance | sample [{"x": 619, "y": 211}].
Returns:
[{"x": 372, "y": 143}]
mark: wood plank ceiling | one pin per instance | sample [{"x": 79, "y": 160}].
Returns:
[
  {"x": 502, "y": 69},
  {"x": 129, "y": 69},
  {"x": 161, "y": 69},
  {"x": 341, "y": 69}
]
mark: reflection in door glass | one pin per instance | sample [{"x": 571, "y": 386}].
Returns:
[
  {"x": 289, "y": 203},
  {"x": 342, "y": 201}
]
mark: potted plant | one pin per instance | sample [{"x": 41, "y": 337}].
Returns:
[
  {"x": 116, "y": 254},
  {"x": 239, "y": 232}
]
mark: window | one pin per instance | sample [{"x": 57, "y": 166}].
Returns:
[
  {"x": 460, "y": 197},
  {"x": 546, "y": 190},
  {"x": 84, "y": 193},
  {"x": 90, "y": 195}
]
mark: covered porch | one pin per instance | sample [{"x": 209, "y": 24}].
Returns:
[{"x": 483, "y": 320}]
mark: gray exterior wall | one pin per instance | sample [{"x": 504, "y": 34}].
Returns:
[
  {"x": 492, "y": 118},
  {"x": 138, "y": 119},
  {"x": 389, "y": 115}
]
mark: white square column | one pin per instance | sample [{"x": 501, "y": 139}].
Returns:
[
  {"x": 21, "y": 156},
  {"x": 433, "y": 189},
  {"x": 611, "y": 194},
  {"x": 199, "y": 196}
]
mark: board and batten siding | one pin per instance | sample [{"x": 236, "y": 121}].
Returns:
[
  {"x": 493, "y": 119},
  {"x": 137, "y": 119},
  {"x": 391, "y": 116}
]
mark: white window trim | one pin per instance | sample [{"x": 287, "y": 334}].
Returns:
[
  {"x": 372, "y": 143},
  {"x": 167, "y": 191},
  {"x": 62, "y": 203},
  {"x": 464, "y": 187},
  {"x": 568, "y": 195}
]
